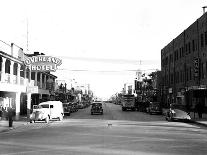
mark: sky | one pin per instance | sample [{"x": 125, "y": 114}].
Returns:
[{"x": 100, "y": 42}]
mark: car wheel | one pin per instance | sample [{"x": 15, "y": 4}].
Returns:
[
  {"x": 171, "y": 119},
  {"x": 61, "y": 118},
  {"x": 47, "y": 119}
]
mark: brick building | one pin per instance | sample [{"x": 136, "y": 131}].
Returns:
[{"x": 184, "y": 66}]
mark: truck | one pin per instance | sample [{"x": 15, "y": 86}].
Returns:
[{"x": 128, "y": 102}]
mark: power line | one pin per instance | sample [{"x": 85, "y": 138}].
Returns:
[{"x": 86, "y": 70}]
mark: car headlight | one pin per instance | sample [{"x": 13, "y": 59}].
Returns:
[{"x": 173, "y": 113}]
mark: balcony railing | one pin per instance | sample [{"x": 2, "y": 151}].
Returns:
[
  {"x": 13, "y": 79},
  {"x": 21, "y": 81},
  {"x": 7, "y": 78}
]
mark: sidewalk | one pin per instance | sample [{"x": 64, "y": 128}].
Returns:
[
  {"x": 196, "y": 119},
  {"x": 4, "y": 124}
]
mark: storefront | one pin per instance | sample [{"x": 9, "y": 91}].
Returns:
[{"x": 194, "y": 96}]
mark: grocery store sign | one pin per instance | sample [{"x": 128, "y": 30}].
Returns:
[{"x": 42, "y": 63}]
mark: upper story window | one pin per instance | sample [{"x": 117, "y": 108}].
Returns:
[
  {"x": 193, "y": 45},
  {"x": 206, "y": 38},
  {"x": 189, "y": 48},
  {"x": 202, "y": 40}
]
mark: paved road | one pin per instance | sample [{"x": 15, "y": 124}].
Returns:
[{"x": 116, "y": 132}]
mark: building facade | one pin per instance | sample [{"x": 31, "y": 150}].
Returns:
[
  {"x": 16, "y": 78},
  {"x": 184, "y": 66}
]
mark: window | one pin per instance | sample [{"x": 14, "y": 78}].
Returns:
[
  {"x": 180, "y": 53},
  {"x": 178, "y": 77},
  {"x": 202, "y": 39},
  {"x": 201, "y": 71},
  {"x": 183, "y": 51},
  {"x": 171, "y": 77},
  {"x": 186, "y": 49},
  {"x": 190, "y": 74},
  {"x": 193, "y": 44},
  {"x": 206, "y": 38},
  {"x": 189, "y": 49},
  {"x": 181, "y": 76}
]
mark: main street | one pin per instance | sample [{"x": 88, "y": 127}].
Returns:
[{"x": 114, "y": 132}]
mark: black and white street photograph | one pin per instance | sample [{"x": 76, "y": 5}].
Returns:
[{"x": 103, "y": 77}]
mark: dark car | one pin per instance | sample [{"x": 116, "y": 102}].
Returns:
[
  {"x": 67, "y": 109},
  {"x": 154, "y": 108},
  {"x": 177, "y": 112},
  {"x": 96, "y": 108}
]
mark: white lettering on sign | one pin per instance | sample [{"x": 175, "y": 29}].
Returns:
[{"x": 42, "y": 63}]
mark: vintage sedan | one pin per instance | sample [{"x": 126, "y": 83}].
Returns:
[
  {"x": 177, "y": 112},
  {"x": 67, "y": 109},
  {"x": 96, "y": 108}
]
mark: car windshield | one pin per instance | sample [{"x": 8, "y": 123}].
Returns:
[
  {"x": 155, "y": 104},
  {"x": 44, "y": 106},
  {"x": 178, "y": 106},
  {"x": 65, "y": 105},
  {"x": 96, "y": 104}
]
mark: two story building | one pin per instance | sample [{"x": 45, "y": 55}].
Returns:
[{"x": 16, "y": 79}]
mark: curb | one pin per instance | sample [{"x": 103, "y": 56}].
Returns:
[{"x": 198, "y": 123}]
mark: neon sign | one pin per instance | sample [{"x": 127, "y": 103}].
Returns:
[{"x": 42, "y": 63}]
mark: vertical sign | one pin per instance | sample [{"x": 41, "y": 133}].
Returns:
[{"x": 196, "y": 67}]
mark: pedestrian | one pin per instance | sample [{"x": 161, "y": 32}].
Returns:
[
  {"x": 199, "y": 109},
  {"x": 10, "y": 116},
  {"x": 1, "y": 112}
]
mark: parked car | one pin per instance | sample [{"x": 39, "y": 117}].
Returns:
[
  {"x": 154, "y": 108},
  {"x": 177, "y": 112},
  {"x": 46, "y": 111},
  {"x": 67, "y": 109},
  {"x": 80, "y": 105},
  {"x": 96, "y": 108}
]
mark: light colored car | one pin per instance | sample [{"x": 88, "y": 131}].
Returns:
[
  {"x": 177, "y": 112},
  {"x": 46, "y": 111}
]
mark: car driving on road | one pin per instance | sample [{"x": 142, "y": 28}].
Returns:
[{"x": 96, "y": 108}]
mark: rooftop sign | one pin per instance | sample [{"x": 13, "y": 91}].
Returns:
[{"x": 42, "y": 63}]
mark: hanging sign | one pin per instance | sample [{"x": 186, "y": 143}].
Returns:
[
  {"x": 32, "y": 89},
  {"x": 42, "y": 63}
]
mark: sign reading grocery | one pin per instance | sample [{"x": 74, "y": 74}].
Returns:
[{"x": 43, "y": 63}]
